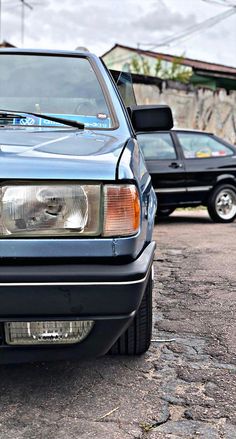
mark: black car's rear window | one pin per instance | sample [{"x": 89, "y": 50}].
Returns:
[{"x": 196, "y": 145}]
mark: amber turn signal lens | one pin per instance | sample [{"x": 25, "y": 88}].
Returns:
[{"x": 121, "y": 210}]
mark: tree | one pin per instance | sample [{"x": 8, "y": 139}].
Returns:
[{"x": 175, "y": 71}]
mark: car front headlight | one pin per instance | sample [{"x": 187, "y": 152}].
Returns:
[
  {"x": 44, "y": 209},
  {"x": 69, "y": 209}
]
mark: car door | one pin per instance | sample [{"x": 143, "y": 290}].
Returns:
[
  {"x": 206, "y": 158},
  {"x": 165, "y": 166}
]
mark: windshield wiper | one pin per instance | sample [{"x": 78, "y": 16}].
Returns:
[{"x": 18, "y": 114}]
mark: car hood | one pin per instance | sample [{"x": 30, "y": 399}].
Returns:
[{"x": 59, "y": 154}]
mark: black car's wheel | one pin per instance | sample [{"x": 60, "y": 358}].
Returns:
[
  {"x": 136, "y": 339},
  {"x": 222, "y": 204},
  {"x": 164, "y": 212}
]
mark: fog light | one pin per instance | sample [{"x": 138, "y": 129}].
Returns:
[{"x": 53, "y": 332}]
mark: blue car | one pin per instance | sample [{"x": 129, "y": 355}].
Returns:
[{"x": 77, "y": 210}]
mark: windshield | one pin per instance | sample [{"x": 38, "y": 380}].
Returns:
[{"x": 54, "y": 85}]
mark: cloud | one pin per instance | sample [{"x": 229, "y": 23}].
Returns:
[
  {"x": 91, "y": 21},
  {"x": 68, "y": 24},
  {"x": 162, "y": 18}
]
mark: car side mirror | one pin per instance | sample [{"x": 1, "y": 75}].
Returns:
[{"x": 151, "y": 117}]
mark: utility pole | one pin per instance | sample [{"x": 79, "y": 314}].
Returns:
[{"x": 23, "y": 3}]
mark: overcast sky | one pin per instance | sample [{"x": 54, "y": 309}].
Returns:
[{"x": 98, "y": 25}]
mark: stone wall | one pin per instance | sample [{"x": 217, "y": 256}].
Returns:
[{"x": 202, "y": 109}]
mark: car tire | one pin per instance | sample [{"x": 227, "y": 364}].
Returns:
[
  {"x": 222, "y": 204},
  {"x": 165, "y": 212},
  {"x": 137, "y": 337}
]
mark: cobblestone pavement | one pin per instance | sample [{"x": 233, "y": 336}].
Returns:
[{"x": 184, "y": 387}]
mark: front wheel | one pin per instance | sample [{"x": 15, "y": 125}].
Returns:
[
  {"x": 137, "y": 337},
  {"x": 222, "y": 204}
]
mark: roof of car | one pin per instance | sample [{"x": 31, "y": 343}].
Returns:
[
  {"x": 48, "y": 52},
  {"x": 188, "y": 130},
  {"x": 192, "y": 130}
]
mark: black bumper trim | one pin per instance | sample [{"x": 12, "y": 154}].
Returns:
[
  {"x": 42, "y": 318},
  {"x": 74, "y": 291},
  {"x": 78, "y": 274}
]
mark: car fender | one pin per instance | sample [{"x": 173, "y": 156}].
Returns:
[
  {"x": 226, "y": 178},
  {"x": 132, "y": 166}
]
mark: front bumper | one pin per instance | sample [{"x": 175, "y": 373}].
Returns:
[{"x": 108, "y": 294}]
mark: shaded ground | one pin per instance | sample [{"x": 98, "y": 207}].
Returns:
[{"x": 184, "y": 388}]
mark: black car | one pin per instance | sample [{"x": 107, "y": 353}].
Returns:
[{"x": 191, "y": 168}]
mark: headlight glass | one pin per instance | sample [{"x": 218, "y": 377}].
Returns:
[{"x": 43, "y": 209}]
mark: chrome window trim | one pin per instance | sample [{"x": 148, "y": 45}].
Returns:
[
  {"x": 187, "y": 189},
  {"x": 199, "y": 188},
  {"x": 163, "y": 190}
]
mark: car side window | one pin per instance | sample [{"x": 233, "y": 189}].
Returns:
[
  {"x": 199, "y": 146},
  {"x": 157, "y": 146}
]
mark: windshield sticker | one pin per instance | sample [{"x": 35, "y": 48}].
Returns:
[
  {"x": 88, "y": 121},
  {"x": 102, "y": 116},
  {"x": 218, "y": 153},
  {"x": 202, "y": 154}
]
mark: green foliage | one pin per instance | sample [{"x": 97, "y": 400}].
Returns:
[
  {"x": 178, "y": 72},
  {"x": 146, "y": 67},
  {"x": 140, "y": 65},
  {"x": 135, "y": 65},
  {"x": 174, "y": 71},
  {"x": 158, "y": 67}
]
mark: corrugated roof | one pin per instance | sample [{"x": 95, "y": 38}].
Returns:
[{"x": 194, "y": 63}]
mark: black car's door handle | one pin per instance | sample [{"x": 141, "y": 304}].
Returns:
[{"x": 175, "y": 165}]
